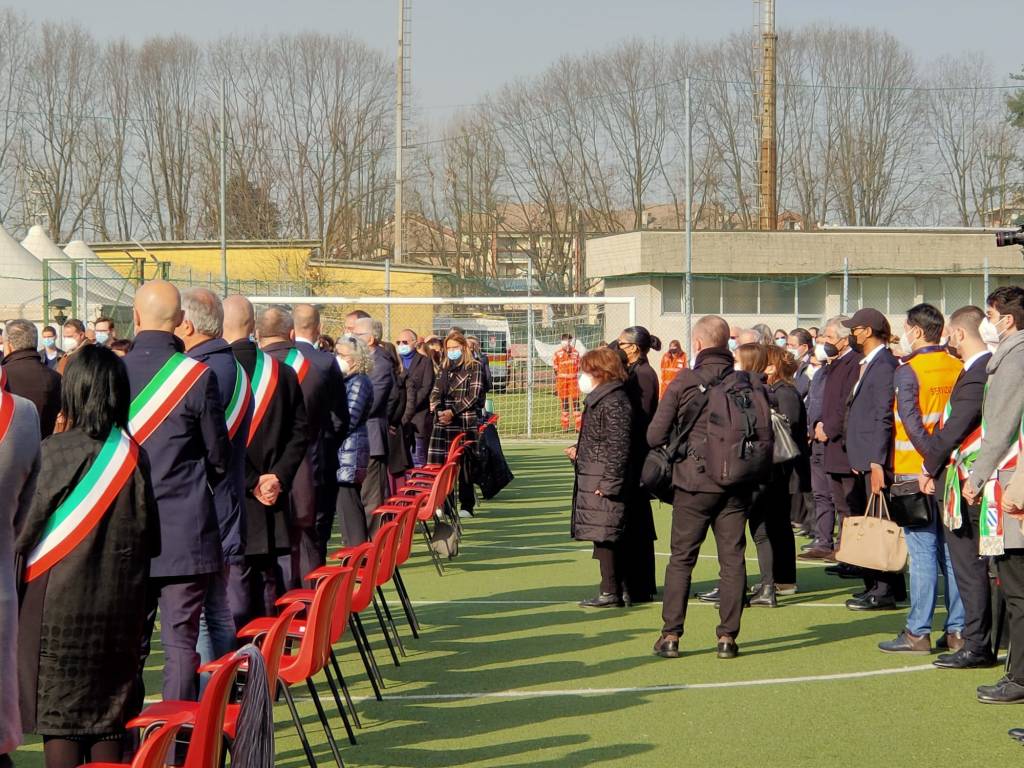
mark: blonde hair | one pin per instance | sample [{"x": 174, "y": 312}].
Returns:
[
  {"x": 361, "y": 360},
  {"x": 467, "y": 355}
]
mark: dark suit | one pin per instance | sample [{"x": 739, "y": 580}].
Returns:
[
  {"x": 417, "y": 419},
  {"x": 278, "y": 447},
  {"x": 30, "y": 378},
  {"x": 970, "y": 568},
  {"x": 847, "y": 490},
  {"x": 382, "y": 376},
  {"x": 331, "y": 435},
  {"x": 188, "y": 453},
  {"x": 824, "y": 522},
  {"x": 869, "y": 431}
]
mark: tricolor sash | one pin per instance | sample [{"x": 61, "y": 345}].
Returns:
[
  {"x": 82, "y": 510},
  {"x": 298, "y": 362},
  {"x": 154, "y": 403},
  {"x": 960, "y": 463},
  {"x": 240, "y": 399},
  {"x": 6, "y": 406},
  {"x": 990, "y": 524},
  {"x": 264, "y": 386}
]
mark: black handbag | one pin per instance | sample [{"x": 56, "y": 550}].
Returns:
[{"x": 908, "y": 507}]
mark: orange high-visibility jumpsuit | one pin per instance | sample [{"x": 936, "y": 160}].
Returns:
[
  {"x": 567, "y": 386},
  {"x": 670, "y": 368}
]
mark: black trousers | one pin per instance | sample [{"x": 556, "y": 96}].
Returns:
[
  {"x": 180, "y": 600},
  {"x": 607, "y": 555},
  {"x": 771, "y": 530},
  {"x": 253, "y": 588},
  {"x": 850, "y": 495},
  {"x": 375, "y": 487},
  {"x": 637, "y": 547},
  {"x": 303, "y": 556},
  {"x": 326, "y": 501},
  {"x": 971, "y": 571},
  {"x": 467, "y": 496},
  {"x": 824, "y": 515},
  {"x": 1010, "y": 568},
  {"x": 351, "y": 515},
  {"x": 692, "y": 515}
]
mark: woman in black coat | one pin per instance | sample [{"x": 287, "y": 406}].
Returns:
[
  {"x": 83, "y": 609},
  {"x": 634, "y": 344},
  {"x": 601, "y": 456},
  {"x": 770, "y": 526}
]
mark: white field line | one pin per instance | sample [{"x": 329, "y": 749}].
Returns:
[
  {"x": 692, "y": 601},
  {"x": 585, "y": 550}
]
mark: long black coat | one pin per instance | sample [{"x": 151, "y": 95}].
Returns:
[
  {"x": 419, "y": 381},
  {"x": 602, "y": 463},
  {"x": 82, "y": 623},
  {"x": 28, "y": 377}
]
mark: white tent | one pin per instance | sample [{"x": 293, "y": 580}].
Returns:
[
  {"x": 39, "y": 244},
  {"x": 97, "y": 277},
  {"x": 21, "y": 278}
]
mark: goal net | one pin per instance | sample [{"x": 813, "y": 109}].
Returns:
[{"x": 519, "y": 336}]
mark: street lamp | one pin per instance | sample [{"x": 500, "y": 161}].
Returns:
[{"x": 60, "y": 305}]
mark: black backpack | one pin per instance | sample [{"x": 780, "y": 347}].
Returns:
[{"x": 740, "y": 439}]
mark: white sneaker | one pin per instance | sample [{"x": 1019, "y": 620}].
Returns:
[{"x": 464, "y": 513}]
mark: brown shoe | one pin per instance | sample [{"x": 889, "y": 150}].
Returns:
[
  {"x": 954, "y": 641},
  {"x": 667, "y": 646},
  {"x": 815, "y": 553},
  {"x": 908, "y": 643}
]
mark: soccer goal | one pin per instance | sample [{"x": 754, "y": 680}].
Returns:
[{"x": 519, "y": 335}]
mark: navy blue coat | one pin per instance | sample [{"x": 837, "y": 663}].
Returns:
[
  {"x": 383, "y": 379},
  {"x": 842, "y": 375},
  {"x": 869, "y": 417},
  {"x": 229, "y": 493},
  {"x": 188, "y": 453},
  {"x": 354, "y": 452},
  {"x": 334, "y": 430}
]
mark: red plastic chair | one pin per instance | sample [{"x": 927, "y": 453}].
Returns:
[
  {"x": 428, "y": 470},
  {"x": 153, "y": 752},
  {"x": 403, "y": 547}
]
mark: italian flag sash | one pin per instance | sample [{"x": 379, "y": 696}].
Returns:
[
  {"x": 83, "y": 509},
  {"x": 959, "y": 469},
  {"x": 154, "y": 403},
  {"x": 6, "y": 406},
  {"x": 990, "y": 527},
  {"x": 298, "y": 362},
  {"x": 240, "y": 399},
  {"x": 264, "y": 386}
]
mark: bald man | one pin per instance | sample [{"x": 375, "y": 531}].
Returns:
[
  {"x": 277, "y": 443},
  {"x": 179, "y": 422},
  {"x": 306, "y": 319}
]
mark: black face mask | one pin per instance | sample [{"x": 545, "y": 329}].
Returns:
[
  {"x": 854, "y": 344},
  {"x": 614, "y": 345},
  {"x": 830, "y": 350}
]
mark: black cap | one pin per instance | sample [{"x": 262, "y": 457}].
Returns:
[{"x": 869, "y": 318}]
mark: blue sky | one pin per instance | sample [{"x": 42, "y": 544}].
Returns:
[{"x": 462, "y": 48}]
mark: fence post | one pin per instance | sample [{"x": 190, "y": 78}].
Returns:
[
  {"x": 529, "y": 347},
  {"x": 844, "y": 305},
  {"x": 689, "y": 223},
  {"x": 986, "y": 281},
  {"x": 387, "y": 292}
]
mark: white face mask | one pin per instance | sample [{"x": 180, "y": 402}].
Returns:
[
  {"x": 780, "y": 343},
  {"x": 587, "y": 383},
  {"x": 819, "y": 353},
  {"x": 344, "y": 365},
  {"x": 989, "y": 332},
  {"x": 906, "y": 342},
  {"x": 733, "y": 344},
  {"x": 794, "y": 353},
  {"x": 70, "y": 343},
  {"x": 737, "y": 367}
]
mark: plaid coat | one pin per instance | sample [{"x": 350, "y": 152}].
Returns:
[{"x": 457, "y": 388}]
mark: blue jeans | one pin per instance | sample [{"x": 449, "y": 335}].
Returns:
[
  {"x": 419, "y": 451},
  {"x": 217, "y": 623},
  {"x": 929, "y": 553}
]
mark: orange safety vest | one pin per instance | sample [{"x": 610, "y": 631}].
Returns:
[
  {"x": 567, "y": 371},
  {"x": 936, "y": 373},
  {"x": 670, "y": 368}
]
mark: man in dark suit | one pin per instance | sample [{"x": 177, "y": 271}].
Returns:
[
  {"x": 275, "y": 331},
  {"x": 277, "y": 442},
  {"x": 28, "y": 376},
  {"x": 963, "y": 421},
  {"x": 869, "y": 439},
  {"x": 188, "y": 452},
  {"x": 830, "y": 431},
  {"x": 306, "y": 319},
  {"x": 200, "y": 332},
  {"x": 375, "y": 486},
  {"x": 419, "y": 381},
  {"x": 801, "y": 347}
]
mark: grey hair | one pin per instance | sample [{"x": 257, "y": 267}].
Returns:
[
  {"x": 836, "y": 322},
  {"x": 377, "y": 329},
  {"x": 362, "y": 362},
  {"x": 21, "y": 334},
  {"x": 203, "y": 308}
]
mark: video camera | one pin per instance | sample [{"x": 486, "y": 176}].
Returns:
[{"x": 1010, "y": 238}]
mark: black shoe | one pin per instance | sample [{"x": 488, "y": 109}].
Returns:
[
  {"x": 861, "y": 595},
  {"x": 728, "y": 650},
  {"x": 638, "y": 600},
  {"x": 764, "y": 597},
  {"x": 603, "y": 600},
  {"x": 871, "y": 603},
  {"x": 844, "y": 571},
  {"x": 667, "y": 646},
  {"x": 709, "y": 597},
  {"x": 965, "y": 659},
  {"x": 1004, "y": 692},
  {"x": 1016, "y": 733}
]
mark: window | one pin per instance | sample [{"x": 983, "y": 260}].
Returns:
[
  {"x": 930, "y": 289},
  {"x": 777, "y": 296},
  {"x": 707, "y": 294},
  {"x": 902, "y": 295},
  {"x": 672, "y": 295},
  {"x": 874, "y": 294},
  {"x": 811, "y": 295},
  {"x": 739, "y": 295},
  {"x": 961, "y": 292}
]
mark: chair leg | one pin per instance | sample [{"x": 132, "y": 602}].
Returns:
[
  {"x": 298, "y": 725},
  {"x": 433, "y": 555},
  {"x": 370, "y": 673},
  {"x": 391, "y": 621},
  {"x": 361, "y": 630},
  {"x": 344, "y": 689},
  {"x": 341, "y": 707},
  {"x": 387, "y": 635},
  {"x": 410, "y": 613},
  {"x": 324, "y": 722}
]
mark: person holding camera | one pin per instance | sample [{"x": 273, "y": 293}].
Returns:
[{"x": 601, "y": 459}]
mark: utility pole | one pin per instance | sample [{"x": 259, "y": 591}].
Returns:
[
  {"x": 404, "y": 7},
  {"x": 768, "y": 204},
  {"x": 688, "y": 174},
  {"x": 223, "y": 192}
]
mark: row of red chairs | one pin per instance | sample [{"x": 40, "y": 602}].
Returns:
[{"x": 295, "y": 650}]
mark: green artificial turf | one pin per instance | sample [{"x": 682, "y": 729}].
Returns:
[{"x": 495, "y": 676}]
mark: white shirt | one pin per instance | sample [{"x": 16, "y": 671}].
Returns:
[
  {"x": 865, "y": 362},
  {"x": 304, "y": 341},
  {"x": 973, "y": 359}
]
